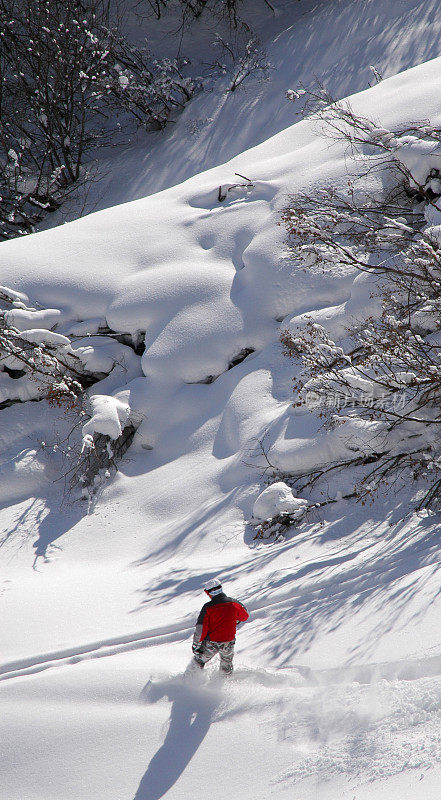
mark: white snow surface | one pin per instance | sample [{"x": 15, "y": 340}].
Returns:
[{"x": 337, "y": 690}]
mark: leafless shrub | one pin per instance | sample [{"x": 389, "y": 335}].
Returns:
[
  {"x": 387, "y": 369},
  {"x": 240, "y": 57},
  {"x": 192, "y": 9},
  {"x": 70, "y": 82}
]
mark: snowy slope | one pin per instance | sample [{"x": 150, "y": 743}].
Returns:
[
  {"x": 344, "y": 614},
  {"x": 334, "y": 42},
  {"x": 203, "y": 280}
]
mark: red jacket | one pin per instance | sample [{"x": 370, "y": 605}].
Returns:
[{"x": 218, "y": 619}]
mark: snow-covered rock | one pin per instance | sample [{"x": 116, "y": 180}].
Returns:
[
  {"x": 278, "y": 499},
  {"x": 25, "y": 319}
]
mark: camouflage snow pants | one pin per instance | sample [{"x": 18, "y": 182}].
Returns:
[{"x": 207, "y": 650}]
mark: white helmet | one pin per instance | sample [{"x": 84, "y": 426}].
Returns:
[{"x": 213, "y": 587}]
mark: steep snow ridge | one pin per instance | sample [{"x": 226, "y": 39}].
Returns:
[
  {"x": 110, "y": 251},
  {"x": 204, "y": 279}
]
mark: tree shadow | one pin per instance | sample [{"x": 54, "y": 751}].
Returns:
[
  {"x": 379, "y": 563},
  {"x": 390, "y": 576},
  {"x": 44, "y": 517},
  {"x": 53, "y": 525},
  {"x": 190, "y": 719}
]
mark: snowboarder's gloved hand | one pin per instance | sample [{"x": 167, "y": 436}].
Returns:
[{"x": 197, "y": 639}]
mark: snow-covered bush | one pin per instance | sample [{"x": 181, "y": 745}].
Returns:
[
  {"x": 39, "y": 364},
  {"x": 385, "y": 368},
  {"x": 35, "y": 363},
  {"x": 277, "y": 498}
]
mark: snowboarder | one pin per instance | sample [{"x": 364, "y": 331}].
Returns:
[{"x": 215, "y": 630}]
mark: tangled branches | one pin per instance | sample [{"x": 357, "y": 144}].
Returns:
[
  {"x": 383, "y": 372},
  {"x": 70, "y": 82}
]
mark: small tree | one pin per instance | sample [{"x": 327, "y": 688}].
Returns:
[{"x": 240, "y": 58}]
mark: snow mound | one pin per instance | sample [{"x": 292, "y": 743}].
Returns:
[
  {"x": 109, "y": 416},
  {"x": 278, "y": 499}
]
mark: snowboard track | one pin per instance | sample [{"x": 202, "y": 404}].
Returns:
[{"x": 403, "y": 670}]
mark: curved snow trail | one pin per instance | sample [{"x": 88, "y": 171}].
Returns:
[
  {"x": 100, "y": 649},
  {"x": 403, "y": 670},
  {"x": 112, "y": 646}
]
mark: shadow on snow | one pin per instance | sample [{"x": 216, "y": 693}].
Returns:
[
  {"x": 365, "y": 568},
  {"x": 190, "y": 719}
]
